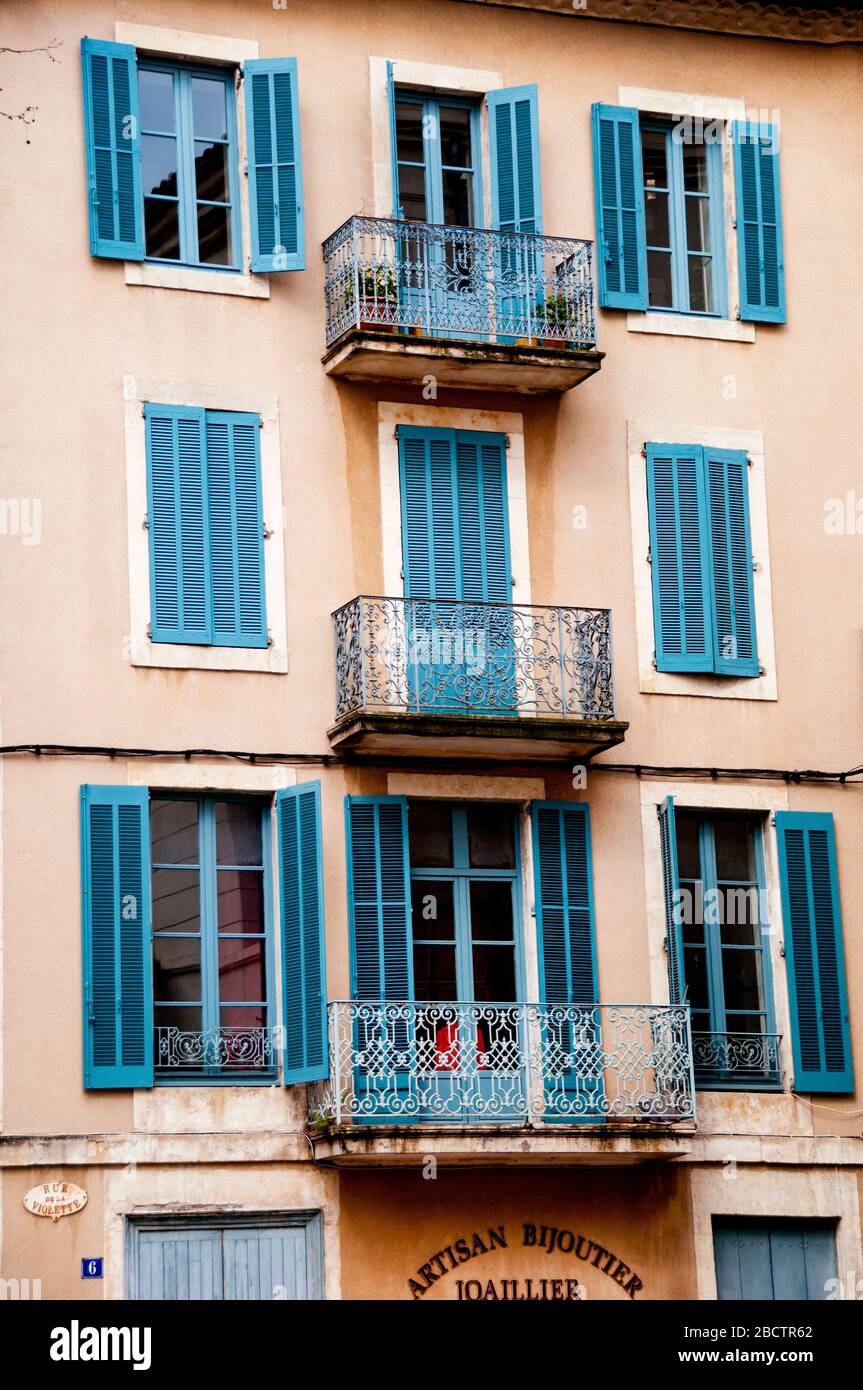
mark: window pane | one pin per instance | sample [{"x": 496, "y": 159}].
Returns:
[
  {"x": 430, "y": 832},
  {"x": 174, "y": 832},
  {"x": 434, "y": 973},
  {"x": 412, "y": 193},
  {"x": 491, "y": 836},
  {"x": 209, "y": 108},
  {"x": 433, "y": 916},
  {"x": 698, "y": 224},
  {"x": 238, "y": 833},
  {"x": 695, "y": 971},
  {"x": 735, "y": 850},
  {"x": 214, "y": 235},
  {"x": 455, "y": 142},
  {"x": 741, "y": 977},
  {"x": 656, "y": 219},
  {"x": 695, "y": 167},
  {"x": 494, "y": 974},
  {"x": 176, "y": 969},
  {"x": 162, "y": 229},
  {"x": 244, "y": 1016},
  {"x": 176, "y": 900},
  {"x": 409, "y": 132},
  {"x": 688, "y": 851},
  {"x": 186, "y": 1018},
  {"x": 491, "y": 911},
  {"x": 653, "y": 158},
  {"x": 159, "y": 165},
  {"x": 659, "y": 279},
  {"x": 211, "y": 172},
  {"x": 241, "y": 969},
  {"x": 457, "y": 199},
  {"x": 700, "y": 285},
  {"x": 156, "y": 99},
  {"x": 692, "y": 911},
  {"x": 739, "y": 916},
  {"x": 240, "y": 900}
]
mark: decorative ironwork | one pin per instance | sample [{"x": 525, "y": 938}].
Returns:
[
  {"x": 225, "y": 1049},
  {"x": 460, "y": 1063},
  {"x": 737, "y": 1058},
  {"x": 459, "y": 282},
  {"x": 429, "y": 657}
]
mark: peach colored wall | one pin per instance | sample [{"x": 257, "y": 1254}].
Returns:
[{"x": 64, "y": 673}]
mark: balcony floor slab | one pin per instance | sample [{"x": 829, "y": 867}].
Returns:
[
  {"x": 604, "y": 1146},
  {"x": 363, "y": 355},
  {"x": 475, "y": 737}
]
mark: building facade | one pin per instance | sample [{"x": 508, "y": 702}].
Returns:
[{"x": 373, "y": 925}]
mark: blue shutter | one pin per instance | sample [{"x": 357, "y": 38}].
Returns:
[
  {"x": 759, "y": 222},
  {"x": 621, "y": 246},
  {"x": 679, "y": 553},
  {"x": 112, "y": 138},
  {"x": 516, "y": 195},
  {"x": 814, "y": 952},
  {"x": 564, "y": 902},
  {"x": 773, "y": 1260},
  {"x": 671, "y": 890},
  {"x": 180, "y": 589},
  {"x": 379, "y": 897},
  {"x": 275, "y": 167},
  {"x": 483, "y": 519},
  {"x": 735, "y": 650},
  {"x": 301, "y": 893},
  {"x": 118, "y": 967},
  {"x": 236, "y": 529},
  {"x": 432, "y": 562}
]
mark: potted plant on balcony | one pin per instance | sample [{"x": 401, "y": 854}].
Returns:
[
  {"x": 378, "y": 298},
  {"x": 558, "y": 315}
]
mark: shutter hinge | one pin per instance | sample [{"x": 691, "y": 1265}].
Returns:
[
  {"x": 755, "y": 567},
  {"x": 260, "y": 422},
  {"x": 748, "y": 461},
  {"x": 267, "y": 533},
  {"x": 506, "y": 441},
  {"x": 649, "y": 556},
  {"x": 762, "y": 670},
  {"x": 653, "y": 663},
  {"x": 402, "y": 572},
  {"x": 146, "y": 522},
  {"x": 644, "y": 451},
  {"x": 149, "y": 632},
  {"x": 270, "y": 642}
]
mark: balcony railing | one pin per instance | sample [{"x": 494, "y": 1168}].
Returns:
[
  {"x": 223, "y": 1051},
  {"x": 736, "y": 1060},
  {"x": 525, "y": 1064},
  {"x": 383, "y": 274},
  {"x": 430, "y": 657}
]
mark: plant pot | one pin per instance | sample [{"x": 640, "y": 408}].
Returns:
[
  {"x": 373, "y": 315},
  {"x": 528, "y": 342},
  {"x": 417, "y": 332}
]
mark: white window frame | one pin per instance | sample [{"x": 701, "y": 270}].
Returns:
[
  {"x": 651, "y": 681},
  {"x": 153, "y": 40},
  {"x": 140, "y": 649},
  {"x": 708, "y": 109}
]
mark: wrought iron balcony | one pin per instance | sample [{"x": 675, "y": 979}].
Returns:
[
  {"x": 214, "y": 1051},
  {"x": 507, "y": 310},
  {"x": 506, "y": 1064},
  {"x": 736, "y": 1061},
  {"x": 500, "y": 679}
]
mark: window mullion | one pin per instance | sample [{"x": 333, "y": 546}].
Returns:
[
  {"x": 677, "y": 225},
  {"x": 463, "y": 941},
  {"x": 209, "y": 921},
  {"x": 186, "y": 161},
  {"x": 712, "y": 934}
]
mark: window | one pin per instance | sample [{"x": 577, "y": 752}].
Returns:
[
  {"x": 725, "y": 963},
  {"x": 212, "y": 938},
  {"x": 661, "y": 214},
  {"x": 771, "y": 1258},
  {"x": 189, "y": 165},
  {"x": 163, "y": 160},
  {"x": 178, "y": 917},
  {"x": 701, "y": 560},
  {"x": 437, "y": 158},
  {"x": 684, "y": 221},
  {"x": 205, "y": 524}
]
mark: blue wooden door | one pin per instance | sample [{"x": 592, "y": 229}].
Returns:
[
  {"x": 177, "y": 1263},
  {"x": 774, "y": 1259},
  {"x": 455, "y": 544}
]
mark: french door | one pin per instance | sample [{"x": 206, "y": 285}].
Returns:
[{"x": 455, "y": 543}]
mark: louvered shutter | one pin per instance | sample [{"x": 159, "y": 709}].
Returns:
[
  {"x": 112, "y": 138},
  {"x": 516, "y": 195},
  {"x": 117, "y": 967},
  {"x": 483, "y": 522},
  {"x": 671, "y": 893},
  {"x": 180, "y": 591},
  {"x": 679, "y": 553},
  {"x": 814, "y": 952},
  {"x": 432, "y": 566},
  {"x": 727, "y": 487},
  {"x": 759, "y": 222},
  {"x": 621, "y": 246},
  {"x": 301, "y": 896},
  {"x": 236, "y": 530},
  {"x": 275, "y": 167},
  {"x": 379, "y": 897}
]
